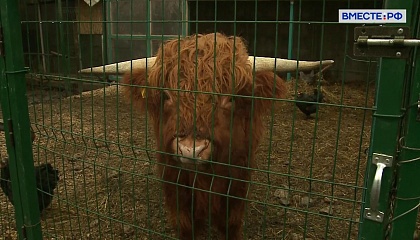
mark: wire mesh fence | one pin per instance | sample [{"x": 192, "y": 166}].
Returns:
[{"x": 124, "y": 172}]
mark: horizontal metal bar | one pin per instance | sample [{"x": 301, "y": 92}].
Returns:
[
  {"x": 391, "y": 42},
  {"x": 142, "y": 37},
  {"x": 25, "y": 70}
]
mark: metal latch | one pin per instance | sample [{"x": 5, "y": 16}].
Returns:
[
  {"x": 381, "y": 161},
  {"x": 383, "y": 41}
]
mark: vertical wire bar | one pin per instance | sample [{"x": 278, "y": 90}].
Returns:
[
  {"x": 66, "y": 58},
  {"x": 321, "y": 52},
  {"x": 178, "y": 121},
  {"x": 131, "y": 122},
  {"x": 160, "y": 142},
  {"x": 105, "y": 119},
  {"x": 231, "y": 116},
  {"x": 132, "y": 126},
  {"x": 58, "y": 37},
  {"x": 214, "y": 102},
  {"x": 293, "y": 128},
  {"x": 246, "y": 223},
  {"x": 95, "y": 157},
  {"x": 272, "y": 112},
  {"x": 50, "y": 135},
  {"x": 193, "y": 189},
  {"x": 264, "y": 221},
  {"x": 355, "y": 204},
  {"x": 116, "y": 57},
  {"x": 149, "y": 22},
  {"x": 118, "y": 142},
  {"x": 82, "y": 122}
]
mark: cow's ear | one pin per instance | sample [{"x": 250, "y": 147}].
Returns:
[
  {"x": 266, "y": 85},
  {"x": 133, "y": 87}
]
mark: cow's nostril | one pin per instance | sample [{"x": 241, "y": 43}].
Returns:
[{"x": 199, "y": 150}]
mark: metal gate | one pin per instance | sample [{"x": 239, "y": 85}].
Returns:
[{"x": 348, "y": 172}]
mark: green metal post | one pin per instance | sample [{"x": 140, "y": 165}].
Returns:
[
  {"x": 14, "y": 105},
  {"x": 185, "y": 17},
  {"x": 64, "y": 46},
  {"x": 290, "y": 47},
  {"x": 386, "y": 125},
  {"x": 407, "y": 195},
  {"x": 105, "y": 30},
  {"x": 149, "y": 29},
  {"x": 109, "y": 24}
]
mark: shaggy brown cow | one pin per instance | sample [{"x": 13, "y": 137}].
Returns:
[{"x": 208, "y": 137}]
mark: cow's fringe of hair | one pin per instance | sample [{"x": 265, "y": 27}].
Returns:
[{"x": 197, "y": 63}]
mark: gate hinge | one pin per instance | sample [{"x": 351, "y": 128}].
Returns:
[
  {"x": 1, "y": 42},
  {"x": 383, "y": 41}
]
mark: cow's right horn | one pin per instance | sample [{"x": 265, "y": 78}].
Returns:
[{"x": 285, "y": 65}]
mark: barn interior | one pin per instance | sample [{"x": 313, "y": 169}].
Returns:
[{"x": 310, "y": 178}]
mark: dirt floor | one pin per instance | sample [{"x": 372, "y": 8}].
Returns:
[{"x": 108, "y": 188}]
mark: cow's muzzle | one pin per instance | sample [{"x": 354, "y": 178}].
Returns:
[{"x": 191, "y": 151}]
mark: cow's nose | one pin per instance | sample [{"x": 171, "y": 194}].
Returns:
[
  {"x": 189, "y": 151},
  {"x": 192, "y": 151},
  {"x": 190, "y": 148}
]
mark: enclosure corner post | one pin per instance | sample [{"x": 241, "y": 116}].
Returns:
[
  {"x": 14, "y": 106},
  {"x": 376, "y": 212},
  {"x": 406, "y": 203}
]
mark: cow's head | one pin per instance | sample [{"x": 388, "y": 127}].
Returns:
[{"x": 205, "y": 99}]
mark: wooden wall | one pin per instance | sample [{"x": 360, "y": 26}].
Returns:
[
  {"x": 90, "y": 18},
  {"x": 331, "y": 40},
  {"x": 311, "y": 40}
]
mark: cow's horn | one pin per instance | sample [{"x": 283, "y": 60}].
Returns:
[
  {"x": 285, "y": 65},
  {"x": 121, "y": 67},
  {"x": 261, "y": 63}
]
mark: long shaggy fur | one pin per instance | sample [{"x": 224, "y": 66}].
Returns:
[{"x": 186, "y": 93}]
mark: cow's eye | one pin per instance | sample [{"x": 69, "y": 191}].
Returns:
[
  {"x": 226, "y": 102},
  {"x": 180, "y": 134},
  {"x": 166, "y": 96}
]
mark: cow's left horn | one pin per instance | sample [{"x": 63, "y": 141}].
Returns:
[
  {"x": 261, "y": 63},
  {"x": 121, "y": 67}
]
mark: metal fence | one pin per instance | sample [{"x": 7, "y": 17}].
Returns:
[{"x": 348, "y": 170}]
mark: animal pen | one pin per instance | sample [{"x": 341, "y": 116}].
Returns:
[{"x": 158, "y": 128}]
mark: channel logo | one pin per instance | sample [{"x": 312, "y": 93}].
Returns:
[{"x": 372, "y": 16}]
